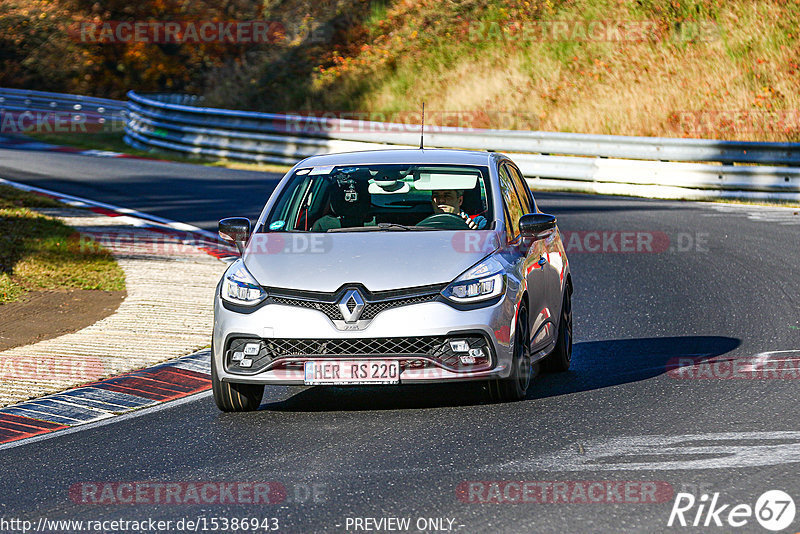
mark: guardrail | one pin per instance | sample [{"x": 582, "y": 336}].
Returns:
[
  {"x": 658, "y": 167},
  {"x": 40, "y": 109},
  {"x": 171, "y": 113},
  {"x": 661, "y": 166}
]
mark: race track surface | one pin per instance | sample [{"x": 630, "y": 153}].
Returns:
[{"x": 717, "y": 281}]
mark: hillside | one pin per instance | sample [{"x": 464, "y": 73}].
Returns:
[{"x": 691, "y": 68}]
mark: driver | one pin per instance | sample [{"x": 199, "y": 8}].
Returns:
[{"x": 449, "y": 201}]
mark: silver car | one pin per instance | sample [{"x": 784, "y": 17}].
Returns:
[{"x": 393, "y": 267}]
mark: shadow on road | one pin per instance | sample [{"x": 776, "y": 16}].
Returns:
[
  {"x": 362, "y": 398},
  {"x": 601, "y": 364},
  {"x": 595, "y": 364}
]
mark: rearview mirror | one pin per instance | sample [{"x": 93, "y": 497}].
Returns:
[
  {"x": 537, "y": 225},
  {"x": 236, "y": 229}
]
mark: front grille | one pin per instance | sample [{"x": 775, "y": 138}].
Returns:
[
  {"x": 328, "y": 308},
  {"x": 371, "y": 309},
  {"x": 411, "y": 350},
  {"x": 375, "y": 303},
  {"x": 352, "y": 347}
]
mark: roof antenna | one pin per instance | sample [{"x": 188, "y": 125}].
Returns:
[{"x": 422, "y": 130}]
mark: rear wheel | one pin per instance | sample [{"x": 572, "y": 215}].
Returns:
[
  {"x": 515, "y": 387},
  {"x": 231, "y": 397},
  {"x": 559, "y": 360}
]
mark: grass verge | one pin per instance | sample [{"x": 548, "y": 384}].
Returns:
[{"x": 40, "y": 252}]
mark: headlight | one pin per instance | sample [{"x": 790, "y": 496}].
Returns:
[
  {"x": 484, "y": 281},
  {"x": 239, "y": 286}
]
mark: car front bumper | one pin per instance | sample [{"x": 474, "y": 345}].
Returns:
[{"x": 281, "y": 323}]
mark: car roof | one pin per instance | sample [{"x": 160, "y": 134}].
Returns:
[{"x": 402, "y": 156}]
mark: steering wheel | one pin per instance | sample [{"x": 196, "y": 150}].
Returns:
[{"x": 446, "y": 221}]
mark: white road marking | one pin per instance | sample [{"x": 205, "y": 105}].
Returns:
[
  {"x": 688, "y": 451},
  {"x": 770, "y": 214},
  {"x": 67, "y": 199}
]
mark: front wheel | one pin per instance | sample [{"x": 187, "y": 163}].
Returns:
[
  {"x": 232, "y": 397},
  {"x": 561, "y": 357},
  {"x": 515, "y": 387}
]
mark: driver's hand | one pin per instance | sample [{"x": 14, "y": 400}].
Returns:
[{"x": 446, "y": 208}]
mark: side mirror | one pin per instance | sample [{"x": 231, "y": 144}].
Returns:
[
  {"x": 236, "y": 229},
  {"x": 537, "y": 225}
]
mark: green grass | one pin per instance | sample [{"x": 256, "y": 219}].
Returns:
[{"x": 41, "y": 253}]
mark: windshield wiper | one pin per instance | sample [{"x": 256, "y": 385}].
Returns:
[{"x": 381, "y": 227}]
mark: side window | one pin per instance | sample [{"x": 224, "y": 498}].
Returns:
[
  {"x": 511, "y": 201},
  {"x": 525, "y": 196}
]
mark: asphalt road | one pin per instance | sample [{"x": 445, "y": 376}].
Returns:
[
  {"x": 193, "y": 194},
  {"x": 721, "y": 282}
]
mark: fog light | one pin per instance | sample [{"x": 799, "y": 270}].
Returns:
[
  {"x": 459, "y": 345},
  {"x": 237, "y": 356},
  {"x": 251, "y": 349},
  {"x": 247, "y": 362},
  {"x": 477, "y": 353}
]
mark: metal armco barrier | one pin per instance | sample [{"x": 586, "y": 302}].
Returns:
[
  {"x": 678, "y": 167},
  {"x": 642, "y": 166},
  {"x": 155, "y": 107},
  {"x": 52, "y": 112},
  {"x": 24, "y": 99}
]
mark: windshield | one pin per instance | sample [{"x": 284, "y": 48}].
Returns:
[{"x": 383, "y": 198}]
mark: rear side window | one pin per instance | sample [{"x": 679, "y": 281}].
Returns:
[
  {"x": 525, "y": 196},
  {"x": 511, "y": 201}
]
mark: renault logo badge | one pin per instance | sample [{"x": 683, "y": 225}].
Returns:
[{"x": 351, "y": 306}]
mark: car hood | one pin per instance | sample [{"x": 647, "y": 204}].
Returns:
[{"x": 379, "y": 260}]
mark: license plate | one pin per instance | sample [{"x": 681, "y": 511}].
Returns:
[{"x": 327, "y": 372}]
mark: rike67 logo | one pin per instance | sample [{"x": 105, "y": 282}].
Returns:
[{"x": 774, "y": 510}]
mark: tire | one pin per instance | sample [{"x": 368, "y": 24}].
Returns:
[
  {"x": 559, "y": 360},
  {"x": 232, "y": 397},
  {"x": 515, "y": 387}
]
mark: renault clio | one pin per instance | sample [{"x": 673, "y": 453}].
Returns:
[{"x": 393, "y": 267}]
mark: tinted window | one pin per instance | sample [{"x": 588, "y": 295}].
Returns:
[
  {"x": 347, "y": 197},
  {"x": 525, "y": 196},
  {"x": 515, "y": 209}
]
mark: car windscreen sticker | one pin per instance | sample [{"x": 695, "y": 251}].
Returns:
[
  {"x": 321, "y": 170},
  {"x": 277, "y": 225}
]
